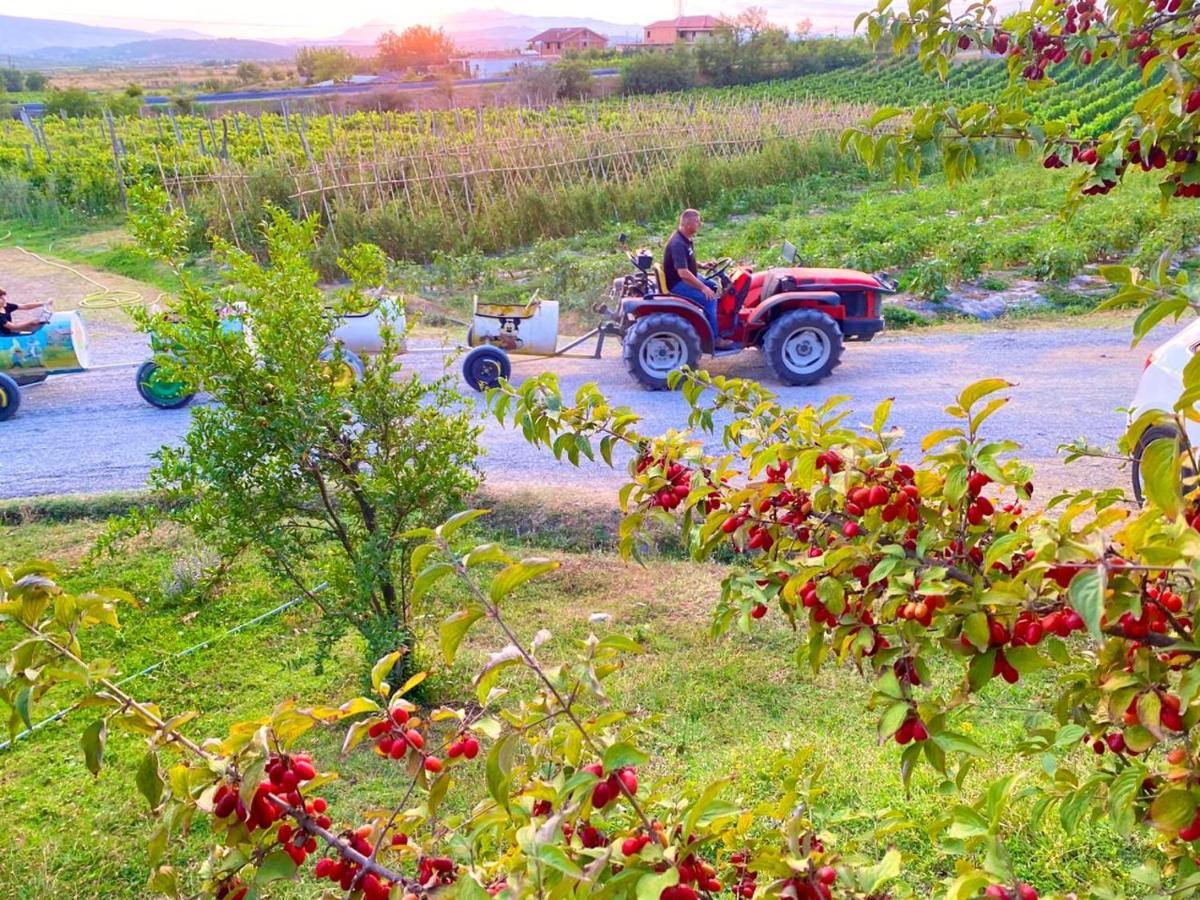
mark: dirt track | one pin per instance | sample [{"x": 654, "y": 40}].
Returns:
[{"x": 92, "y": 433}]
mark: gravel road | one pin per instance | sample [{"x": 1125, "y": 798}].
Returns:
[{"x": 91, "y": 433}]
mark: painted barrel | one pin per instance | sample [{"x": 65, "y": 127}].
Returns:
[
  {"x": 531, "y": 328},
  {"x": 58, "y": 346},
  {"x": 360, "y": 333}
]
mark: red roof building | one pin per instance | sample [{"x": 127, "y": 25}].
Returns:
[
  {"x": 553, "y": 41},
  {"x": 687, "y": 29}
]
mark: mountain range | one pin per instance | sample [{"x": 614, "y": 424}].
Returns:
[{"x": 50, "y": 42}]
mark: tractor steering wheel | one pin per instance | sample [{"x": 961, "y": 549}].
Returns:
[{"x": 718, "y": 266}]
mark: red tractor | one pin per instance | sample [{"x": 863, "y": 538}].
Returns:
[{"x": 799, "y": 317}]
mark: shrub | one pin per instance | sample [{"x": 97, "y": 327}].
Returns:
[{"x": 652, "y": 73}]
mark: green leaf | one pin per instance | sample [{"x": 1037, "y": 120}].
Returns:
[
  {"x": 1122, "y": 794},
  {"x": 274, "y": 867},
  {"x": 975, "y": 627},
  {"x": 458, "y": 520},
  {"x": 650, "y": 886},
  {"x": 703, "y": 802},
  {"x": 24, "y": 697},
  {"x": 149, "y": 781},
  {"x": 553, "y": 856},
  {"x": 455, "y": 628},
  {"x": 620, "y": 755},
  {"x": 953, "y": 742},
  {"x": 1087, "y": 597},
  {"x": 382, "y": 669},
  {"x": 975, "y": 392},
  {"x": 512, "y": 577},
  {"x": 877, "y": 876},
  {"x": 893, "y": 717},
  {"x": 967, "y": 823},
  {"x": 93, "y": 740},
  {"x": 429, "y": 576},
  {"x": 1160, "y": 476},
  {"x": 499, "y": 768},
  {"x": 1172, "y": 810}
]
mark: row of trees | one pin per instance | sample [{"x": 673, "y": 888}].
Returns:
[
  {"x": 13, "y": 81},
  {"x": 418, "y": 47}
]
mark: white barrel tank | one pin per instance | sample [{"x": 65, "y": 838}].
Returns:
[
  {"x": 60, "y": 345},
  {"x": 531, "y": 328},
  {"x": 360, "y": 333}
]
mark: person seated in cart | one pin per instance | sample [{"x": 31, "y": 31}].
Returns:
[
  {"x": 28, "y": 326},
  {"x": 683, "y": 280}
]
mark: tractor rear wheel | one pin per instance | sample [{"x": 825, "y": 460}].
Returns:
[
  {"x": 803, "y": 346},
  {"x": 657, "y": 345},
  {"x": 10, "y": 397}
]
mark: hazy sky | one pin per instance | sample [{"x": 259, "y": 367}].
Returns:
[{"x": 286, "y": 18}]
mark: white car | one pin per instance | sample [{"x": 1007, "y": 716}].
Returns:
[{"x": 1159, "y": 389}]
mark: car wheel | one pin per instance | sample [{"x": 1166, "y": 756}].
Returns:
[
  {"x": 485, "y": 366},
  {"x": 1149, "y": 436},
  {"x": 657, "y": 345},
  {"x": 10, "y": 397},
  {"x": 159, "y": 392},
  {"x": 803, "y": 346}
]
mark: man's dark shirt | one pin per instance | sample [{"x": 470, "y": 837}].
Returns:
[
  {"x": 677, "y": 255},
  {"x": 6, "y": 311}
]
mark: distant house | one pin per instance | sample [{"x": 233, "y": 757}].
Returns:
[
  {"x": 553, "y": 41},
  {"x": 687, "y": 29}
]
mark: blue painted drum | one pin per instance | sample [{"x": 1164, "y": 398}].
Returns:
[{"x": 58, "y": 346}]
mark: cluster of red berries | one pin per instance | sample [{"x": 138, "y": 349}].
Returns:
[
  {"x": 284, "y": 774},
  {"x": 1022, "y": 891},
  {"x": 395, "y": 736},
  {"x": 830, "y": 462},
  {"x": 632, "y": 846},
  {"x": 466, "y": 747},
  {"x": 1048, "y": 49},
  {"x": 589, "y": 835},
  {"x": 747, "y": 883},
  {"x": 692, "y": 871},
  {"x": 609, "y": 789},
  {"x": 911, "y": 729},
  {"x": 816, "y": 885},
  {"x": 297, "y": 844},
  {"x": 674, "y": 493},
  {"x": 1152, "y": 620},
  {"x": 435, "y": 870},
  {"x": 1082, "y": 14}
]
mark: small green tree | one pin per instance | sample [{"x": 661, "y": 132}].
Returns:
[
  {"x": 575, "y": 79},
  {"x": 652, "y": 73},
  {"x": 73, "y": 102},
  {"x": 13, "y": 80},
  {"x": 324, "y": 63},
  {"x": 36, "y": 81},
  {"x": 321, "y": 472},
  {"x": 248, "y": 72}
]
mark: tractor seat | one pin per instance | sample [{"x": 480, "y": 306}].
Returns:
[{"x": 661, "y": 279}]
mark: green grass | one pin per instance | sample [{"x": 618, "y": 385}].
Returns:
[
  {"x": 101, "y": 243},
  {"x": 709, "y": 709}
]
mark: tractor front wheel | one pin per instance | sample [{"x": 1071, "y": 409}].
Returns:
[
  {"x": 10, "y": 397},
  {"x": 159, "y": 392},
  {"x": 657, "y": 345},
  {"x": 803, "y": 346}
]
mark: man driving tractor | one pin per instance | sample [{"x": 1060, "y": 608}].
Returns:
[{"x": 679, "y": 267}]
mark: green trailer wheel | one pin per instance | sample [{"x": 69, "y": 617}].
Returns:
[
  {"x": 159, "y": 392},
  {"x": 10, "y": 397}
]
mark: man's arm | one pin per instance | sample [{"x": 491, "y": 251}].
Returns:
[{"x": 687, "y": 276}]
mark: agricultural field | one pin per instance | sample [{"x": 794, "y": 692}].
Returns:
[{"x": 745, "y": 707}]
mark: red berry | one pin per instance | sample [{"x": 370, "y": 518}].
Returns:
[
  {"x": 399, "y": 716},
  {"x": 433, "y": 764},
  {"x": 414, "y": 739},
  {"x": 470, "y": 748}
]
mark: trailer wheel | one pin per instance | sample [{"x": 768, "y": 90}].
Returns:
[
  {"x": 351, "y": 369},
  {"x": 657, "y": 345},
  {"x": 159, "y": 392},
  {"x": 803, "y": 346},
  {"x": 10, "y": 397},
  {"x": 484, "y": 366}
]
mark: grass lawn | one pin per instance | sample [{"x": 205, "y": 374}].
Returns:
[{"x": 710, "y": 708}]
